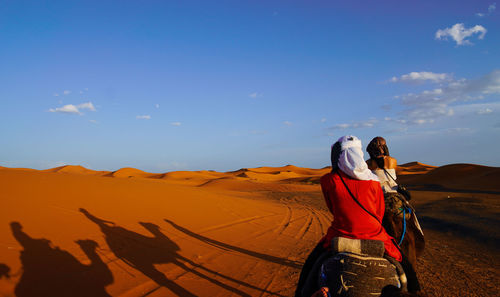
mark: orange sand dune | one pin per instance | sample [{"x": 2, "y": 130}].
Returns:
[
  {"x": 414, "y": 168},
  {"x": 65, "y": 232},
  {"x": 129, "y": 172},
  {"x": 76, "y": 169},
  {"x": 460, "y": 177},
  {"x": 287, "y": 168},
  {"x": 192, "y": 177},
  {"x": 71, "y": 231}
]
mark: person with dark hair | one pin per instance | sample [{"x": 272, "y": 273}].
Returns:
[
  {"x": 384, "y": 167},
  {"x": 380, "y": 160},
  {"x": 358, "y": 218}
]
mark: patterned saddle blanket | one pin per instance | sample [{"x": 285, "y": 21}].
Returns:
[{"x": 354, "y": 268}]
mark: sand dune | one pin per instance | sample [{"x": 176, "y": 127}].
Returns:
[
  {"x": 128, "y": 172},
  {"x": 145, "y": 235},
  {"x": 459, "y": 177},
  {"x": 414, "y": 168},
  {"x": 76, "y": 169},
  {"x": 72, "y": 231}
]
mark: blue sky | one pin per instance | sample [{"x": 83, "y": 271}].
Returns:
[{"x": 191, "y": 85}]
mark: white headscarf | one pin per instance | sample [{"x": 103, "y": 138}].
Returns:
[{"x": 351, "y": 160}]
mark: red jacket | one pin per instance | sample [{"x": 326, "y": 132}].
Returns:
[{"x": 350, "y": 220}]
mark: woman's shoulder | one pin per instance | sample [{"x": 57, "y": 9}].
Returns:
[
  {"x": 390, "y": 162},
  {"x": 327, "y": 176}
]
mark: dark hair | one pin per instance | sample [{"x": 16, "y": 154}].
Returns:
[
  {"x": 377, "y": 148},
  {"x": 335, "y": 155}
]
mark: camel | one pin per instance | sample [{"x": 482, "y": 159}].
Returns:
[
  {"x": 400, "y": 221},
  {"x": 399, "y": 215}
]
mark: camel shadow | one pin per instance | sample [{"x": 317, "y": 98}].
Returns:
[
  {"x": 143, "y": 252},
  {"x": 4, "y": 271},
  {"x": 49, "y": 271},
  {"x": 225, "y": 246}
]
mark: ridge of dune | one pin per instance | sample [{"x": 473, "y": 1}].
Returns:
[
  {"x": 20, "y": 168},
  {"x": 75, "y": 169},
  {"x": 129, "y": 172},
  {"x": 415, "y": 163},
  {"x": 455, "y": 176},
  {"x": 292, "y": 169},
  {"x": 238, "y": 171},
  {"x": 414, "y": 168},
  {"x": 192, "y": 178},
  {"x": 460, "y": 176},
  {"x": 287, "y": 168},
  {"x": 203, "y": 174}
]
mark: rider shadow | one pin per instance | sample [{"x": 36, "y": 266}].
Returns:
[
  {"x": 143, "y": 252},
  {"x": 50, "y": 271},
  {"x": 4, "y": 271},
  {"x": 225, "y": 246}
]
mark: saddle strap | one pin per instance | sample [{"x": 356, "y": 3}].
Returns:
[{"x": 356, "y": 200}]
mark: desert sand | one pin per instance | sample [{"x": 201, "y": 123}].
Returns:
[{"x": 72, "y": 231}]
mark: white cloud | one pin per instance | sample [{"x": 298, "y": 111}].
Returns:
[
  {"x": 56, "y": 94},
  {"x": 422, "y": 77},
  {"x": 323, "y": 120},
  {"x": 177, "y": 124},
  {"x": 355, "y": 125},
  {"x": 143, "y": 117},
  {"x": 86, "y": 105},
  {"x": 428, "y": 105},
  {"x": 74, "y": 109},
  {"x": 460, "y": 34},
  {"x": 459, "y": 130},
  {"x": 255, "y": 95},
  {"x": 69, "y": 108},
  {"x": 93, "y": 121},
  {"x": 287, "y": 123},
  {"x": 66, "y": 92},
  {"x": 485, "y": 111},
  {"x": 454, "y": 98},
  {"x": 341, "y": 126},
  {"x": 492, "y": 8},
  {"x": 157, "y": 106}
]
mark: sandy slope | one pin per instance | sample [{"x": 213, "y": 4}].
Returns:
[
  {"x": 414, "y": 168},
  {"x": 459, "y": 177},
  {"x": 154, "y": 235},
  {"x": 71, "y": 231}
]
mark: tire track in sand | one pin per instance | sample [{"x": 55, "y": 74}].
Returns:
[
  {"x": 303, "y": 231},
  {"x": 233, "y": 223},
  {"x": 286, "y": 221}
]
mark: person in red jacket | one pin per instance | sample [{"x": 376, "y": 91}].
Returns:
[
  {"x": 350, "y": 219},
  {"x": 349, "y": 170}
]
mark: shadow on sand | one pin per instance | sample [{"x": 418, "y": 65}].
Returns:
[
  {"x": 4, "y": 271},
  {"x": 467, "y": 217},
  {"x": 225, "y": 246},
  {"x": 143, "y": 252},
  {"x": 51, "y": 272},
  {"x": 440, "y": 188}
]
